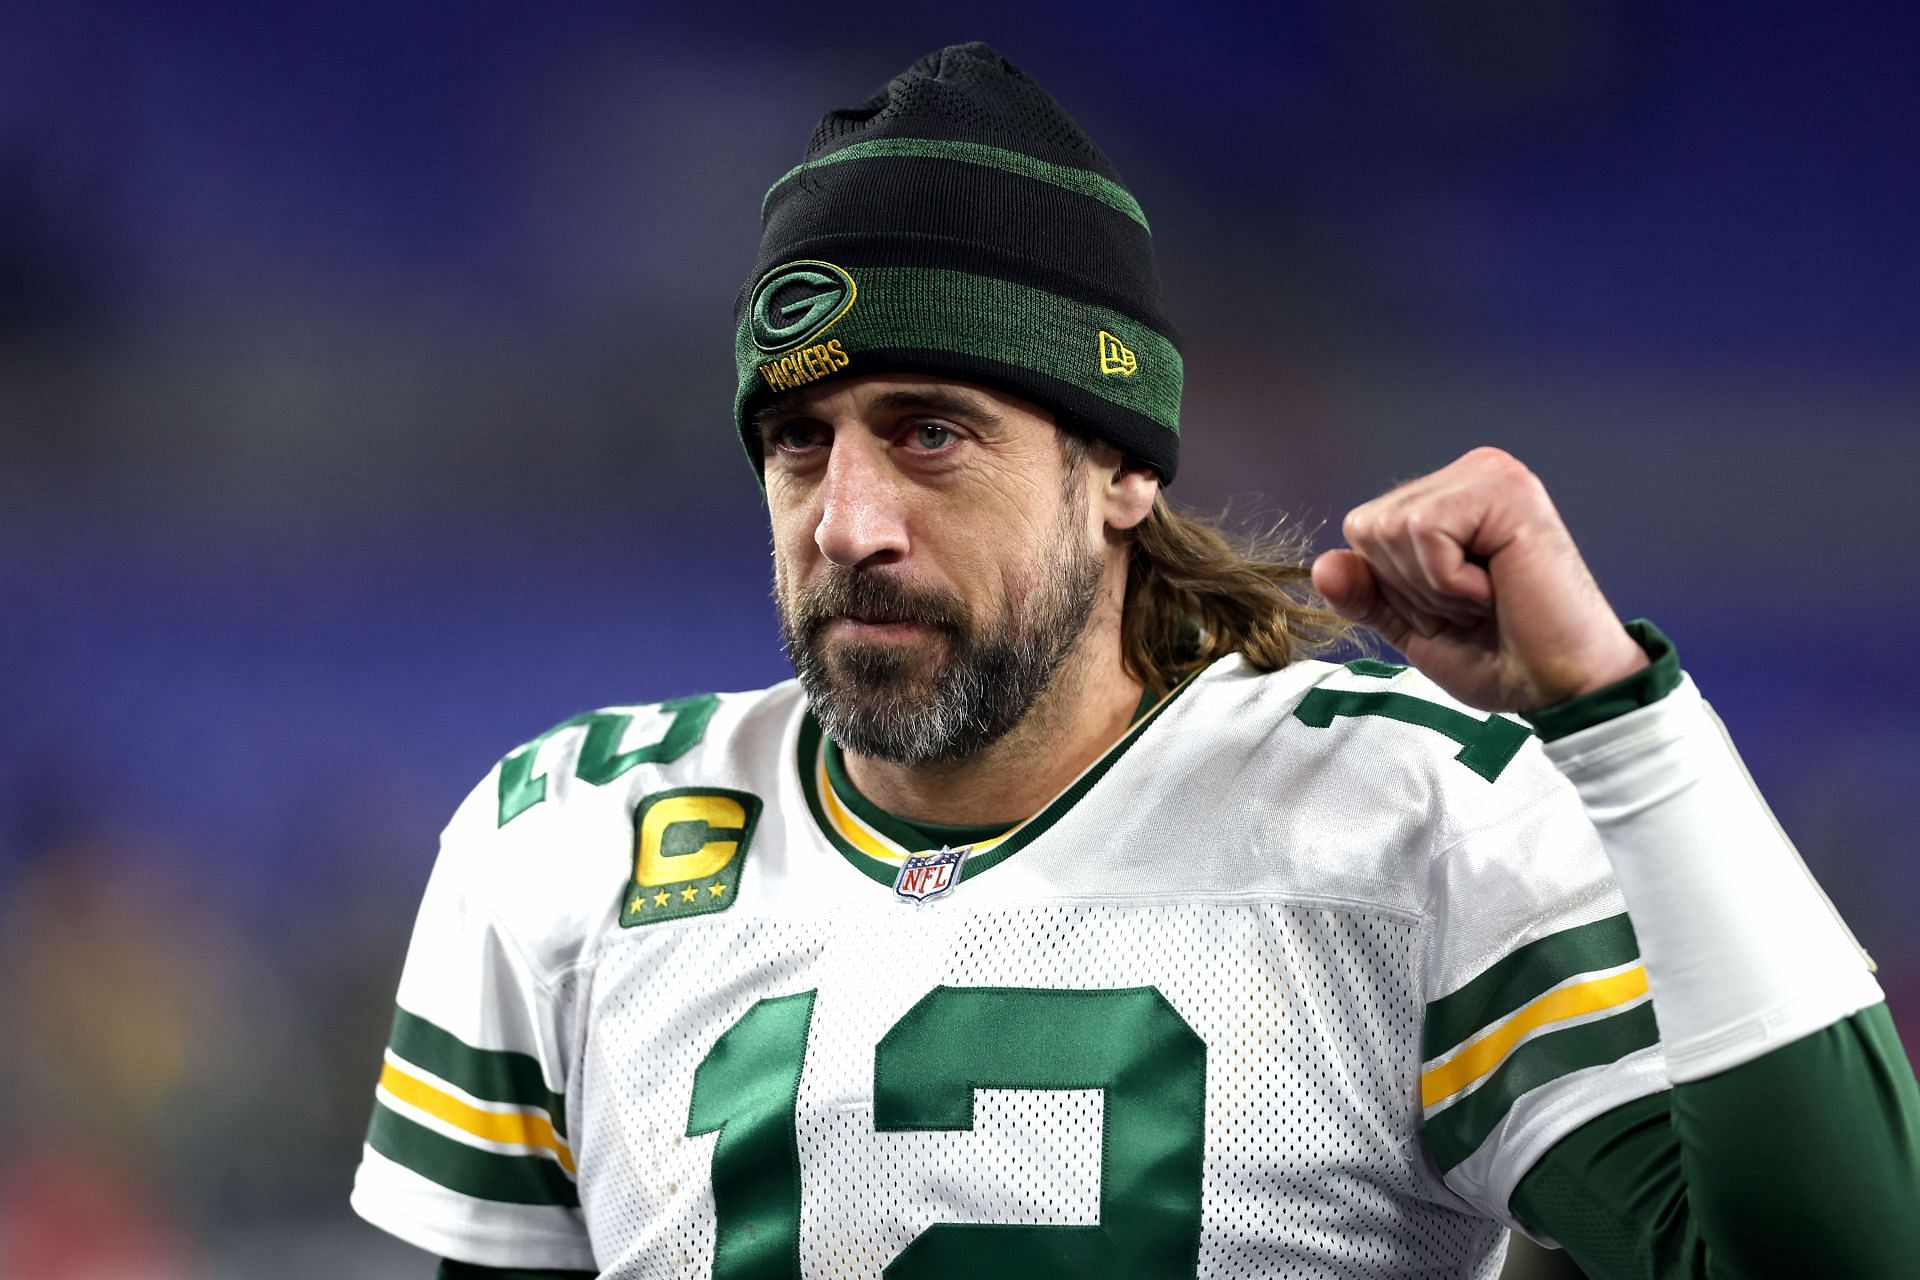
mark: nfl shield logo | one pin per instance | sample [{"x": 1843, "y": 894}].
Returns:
[{"x": 929, "y": 875}]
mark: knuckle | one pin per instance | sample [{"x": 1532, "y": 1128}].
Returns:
[{"x": 1504, "y": 467}]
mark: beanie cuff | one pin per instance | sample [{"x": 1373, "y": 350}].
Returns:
[{"x": 1104, "y": 373}]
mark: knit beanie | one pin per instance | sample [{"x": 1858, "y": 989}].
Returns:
[{"x": 958, "y": 223}]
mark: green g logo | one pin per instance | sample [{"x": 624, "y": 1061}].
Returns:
[{"x": 796, "y": 303}]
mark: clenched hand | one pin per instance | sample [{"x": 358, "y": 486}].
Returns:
[{"x": 1470, "y": 572}]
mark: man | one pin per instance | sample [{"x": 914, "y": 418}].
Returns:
[{"x": 1064, "y": 919}]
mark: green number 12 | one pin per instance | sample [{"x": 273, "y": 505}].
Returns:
[{"x": 1129, "y": 1043}]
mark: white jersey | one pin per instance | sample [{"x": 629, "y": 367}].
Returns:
[{"x": 1297, "y": 980}]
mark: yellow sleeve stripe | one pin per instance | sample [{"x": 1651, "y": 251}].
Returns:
[
  {"x": 1479, "y": 1057},
  {"x": 517, "y": 1127}
]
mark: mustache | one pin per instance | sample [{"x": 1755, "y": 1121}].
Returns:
[{"x": 871, "y": 596}]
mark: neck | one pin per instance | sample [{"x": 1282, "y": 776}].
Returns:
[{"x": 1085, "y": 710}]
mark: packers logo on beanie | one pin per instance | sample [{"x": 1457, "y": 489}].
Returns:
[{"x": 959, "y": 223}]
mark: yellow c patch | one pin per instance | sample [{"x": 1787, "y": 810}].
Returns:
[
  {"x": 1116, "y": 357},
  {"x": 689, "y": 846}
]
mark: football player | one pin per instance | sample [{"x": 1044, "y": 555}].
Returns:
[{"x": 1066, "y": 918}]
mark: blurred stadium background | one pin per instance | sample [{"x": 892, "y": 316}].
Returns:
[{"x": 364, "y": 386}]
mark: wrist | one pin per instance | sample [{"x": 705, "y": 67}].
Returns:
[
  {"x": 1623, "y": 657},
  {"x": 1653, "y": 673}
]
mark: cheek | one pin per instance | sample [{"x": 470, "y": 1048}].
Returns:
[
  {"x": 997, "y": 572},
  {"x": 1009, "y": 545},
  {"x": 790, "y": 571},
  {"x": 792, "y": 531}
]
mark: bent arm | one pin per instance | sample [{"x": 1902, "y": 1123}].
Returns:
[
  {"x": 1804, "y": 1161},
  {"x": 1790, "y": 1142}
]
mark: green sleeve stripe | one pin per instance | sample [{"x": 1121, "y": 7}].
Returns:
[
  {"x": 957, "y": 312},
  {"x": 1081, "y": 181},
  {"x": 484, "y": 1175},
  {"x": 1455, "y": 1133},
  {"x": 495, "y": 1075},
  {"x": 1532, "y": 970},
  {"x": 1641, "y": 689}
]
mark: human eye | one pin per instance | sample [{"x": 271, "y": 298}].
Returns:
[
  {"x": 795, "y": 435},
  {"x": 928, "y": 435}
]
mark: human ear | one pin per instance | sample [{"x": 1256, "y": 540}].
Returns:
[{"x": 1128, "y": 488}]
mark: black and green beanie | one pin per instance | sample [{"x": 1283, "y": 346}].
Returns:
[{"x": 959, "y": 223}]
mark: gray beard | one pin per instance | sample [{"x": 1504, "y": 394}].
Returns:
[{"x": 896, "y": 706}]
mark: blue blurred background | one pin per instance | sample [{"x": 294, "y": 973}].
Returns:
[{"x": 364, "y": 391}]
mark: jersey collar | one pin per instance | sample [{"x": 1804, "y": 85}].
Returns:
[{"x": 877, "y": 845}]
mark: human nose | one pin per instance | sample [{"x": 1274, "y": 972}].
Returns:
[{"x": 861, "y": 517}]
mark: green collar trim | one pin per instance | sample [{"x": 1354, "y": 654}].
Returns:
[
  {"x": 918, "y": 833},
  {"x": 813, "y": 757},
  {"x": 914, "y": 833}
]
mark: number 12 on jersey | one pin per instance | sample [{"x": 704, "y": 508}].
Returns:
[{"x": 1129, "y": 1043}]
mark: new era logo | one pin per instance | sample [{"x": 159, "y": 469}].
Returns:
[{"x": 1115, "y": 357}]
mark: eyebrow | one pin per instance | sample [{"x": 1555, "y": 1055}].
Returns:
[
  {"x": 779, "y": 407},
  {"x": 955, "y": 404},
  {"x": 942, "y": 400}
]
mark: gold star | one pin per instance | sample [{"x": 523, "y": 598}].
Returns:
[
  {"x": 716, "y": 889},
  {"x": 637, "y": 903},
  {"x": 660, "y": 898},
  {"x": 687, "y": 894}
]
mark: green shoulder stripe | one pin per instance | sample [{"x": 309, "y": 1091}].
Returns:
[
  {"x": 484, "y": 1175},
  {"x": 1453, "y": 1134},
  {"x": 1532, "y": 970},
  {"x": 495, "y": 1075}
]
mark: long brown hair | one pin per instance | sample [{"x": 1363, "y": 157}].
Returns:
[{"x": 1197, "y": 591}]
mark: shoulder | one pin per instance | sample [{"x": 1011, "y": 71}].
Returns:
[
  {"x": 1383, "y": 722},
  {"x": 545, "y": 840},
  {"x": 1357, "y": 782}
]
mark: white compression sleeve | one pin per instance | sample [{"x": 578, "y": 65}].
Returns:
[{"x": 1743, "y": 951}]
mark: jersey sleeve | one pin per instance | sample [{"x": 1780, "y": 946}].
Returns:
[
  {"x": 467, "y": 1155},
  {"x": 1537, "y": 1014},
  {"x": 1719, "y": 1178}
]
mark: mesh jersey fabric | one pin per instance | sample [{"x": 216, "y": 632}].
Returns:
[{"x": 1299, "y": 979}]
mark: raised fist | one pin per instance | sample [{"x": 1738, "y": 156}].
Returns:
[{"x": 1471, "y": 574}]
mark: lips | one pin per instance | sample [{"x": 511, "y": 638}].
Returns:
[{"x": 883, "y": 624}]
